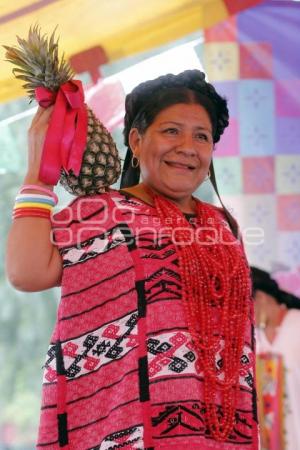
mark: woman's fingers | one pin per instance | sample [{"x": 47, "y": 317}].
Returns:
[
  {"x": 42, "y": 116},
  {"x": 37, "y": 115},
  {"x": 40, "y": 123},
  {"x": 36, "y": 139}
]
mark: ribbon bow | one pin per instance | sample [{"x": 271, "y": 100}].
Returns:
[{"x": 66, "y": 136}]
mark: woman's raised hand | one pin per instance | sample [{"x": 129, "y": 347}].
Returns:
[
  {"x": 36, "y": 138},
  {"x": 33, "y": 263}
]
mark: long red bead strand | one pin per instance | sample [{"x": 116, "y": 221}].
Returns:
[{"x": 215, "y": 295}]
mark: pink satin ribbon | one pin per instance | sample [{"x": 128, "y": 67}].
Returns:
[{"x": 66, "y": 136}]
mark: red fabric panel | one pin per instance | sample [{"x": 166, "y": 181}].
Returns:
[
  {"x": 222, "y": 31},
  {"x": 238, "y": 5}
]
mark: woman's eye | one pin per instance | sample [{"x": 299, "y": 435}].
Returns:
[
  {"x": 202, "y": 137},
  {"x": 171, "y": 131}
]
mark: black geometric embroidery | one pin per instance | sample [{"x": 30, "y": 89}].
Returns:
[
  {"x": 114, "y": 352},
  {"x": 190, "y": 356},
  {"x": 121, "y": 439},
  {"x": 132, "y": 321},
  {"x": 129, "y": 202},
  {"x": 52, "y": 354},
  {"x": 151, "y": 345},
  {"x": 154, "y": 244},
  {"x": 164, "y": 271},
  {"x": 89, "y": 242},
  {"x": 156, "y": 247},
  {"x": 164, "y": 255},
  {"x": 177, "y": 365},
  {"x": 101, "y": 348},
  {"x": 249, "y": 380},
  {"x": 244, "y": 359},
  {"x": 220, "y": 363},
  {"x": 120, "y": 434},
  {"x": 162, "y": 287},
  {"x": 104, "y": 347},
  {"x": 241, "y": 420},
  {"x": 73, "y": 370},
  {"x": 192, "y": 418},
  {"x": 155, "y": 347},
  {"x": 163, "y": 347},
  {"x": 180, "y": 415},
  {"x": 90, "y": 341}
]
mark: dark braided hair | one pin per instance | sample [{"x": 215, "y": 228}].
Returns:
[
  {"x": 262, "y": 281},
  {"x": 148, "y": 99}
]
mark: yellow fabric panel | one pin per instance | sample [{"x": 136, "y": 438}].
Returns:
[
  {"x": 10, "y": 89},
  {"x": 10, "y": 7},
  {"x": 215, "y": 11},
  {"x": 122, "y": 27},
  {"x": 165, "y": 28}
]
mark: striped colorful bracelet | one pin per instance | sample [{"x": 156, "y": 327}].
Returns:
[
  {"x": 36, "y": 187},
  {"x": 33, "y": 205},
  {"x": 36, "y": 213},
  {"x": 35, "y": 198}
]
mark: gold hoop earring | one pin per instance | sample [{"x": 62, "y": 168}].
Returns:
[
  {"x": 135, "y": 162},
  {"x": 207, "y": 176}
]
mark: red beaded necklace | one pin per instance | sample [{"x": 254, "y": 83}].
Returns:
[{"x": 215, "y": 294}]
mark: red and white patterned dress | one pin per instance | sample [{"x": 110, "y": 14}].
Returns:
[{"x": 121, "y": 370}]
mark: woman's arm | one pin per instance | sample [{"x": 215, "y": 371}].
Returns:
[{"x": 33, "y": 263}]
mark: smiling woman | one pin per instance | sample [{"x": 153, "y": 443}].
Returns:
[
  {"x": 153, "y": 346},
  {"x": 175, "y": 152}
]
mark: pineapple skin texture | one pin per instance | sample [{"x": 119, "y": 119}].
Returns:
[{"x": 101, "y": 165}]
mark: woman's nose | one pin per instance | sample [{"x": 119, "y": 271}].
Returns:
[{"x": 186, "y": 144}]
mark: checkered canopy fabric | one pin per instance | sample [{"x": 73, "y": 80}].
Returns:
[{"x": 253, "y": 59}]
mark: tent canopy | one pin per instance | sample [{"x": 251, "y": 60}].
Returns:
[{"x": 120, "y": 27}]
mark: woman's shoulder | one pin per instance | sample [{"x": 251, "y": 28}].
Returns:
[
  {"x": 100, "y": 206},
  {"x": 84, "y": 208}
]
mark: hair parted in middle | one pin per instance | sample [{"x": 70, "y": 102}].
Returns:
[{"x": 149, "y": 98}]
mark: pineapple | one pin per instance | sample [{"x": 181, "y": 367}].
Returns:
[{"x": 38, "y": 64}]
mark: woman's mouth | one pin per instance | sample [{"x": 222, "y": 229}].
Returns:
[{"x": 179, "y": 165}]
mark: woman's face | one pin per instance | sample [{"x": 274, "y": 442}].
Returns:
[{"x": 175, "y": 151}]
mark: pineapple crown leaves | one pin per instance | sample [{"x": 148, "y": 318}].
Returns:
[{"x": 38, "y": 62}]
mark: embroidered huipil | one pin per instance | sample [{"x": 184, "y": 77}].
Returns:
[{"x": 121, "y": 370}]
